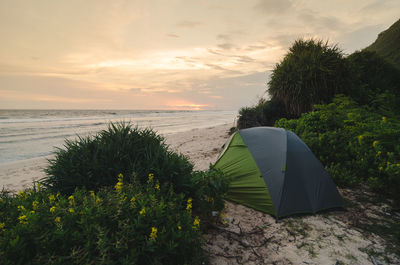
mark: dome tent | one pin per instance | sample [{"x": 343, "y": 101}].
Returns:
[{"x": 274, "y": 171}]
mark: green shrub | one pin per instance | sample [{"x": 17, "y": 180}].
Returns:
[
  {"x": 372, "y": 76},
  {"x": 210, "y": 188},
  {"x": 356, "y": 144},
  {"x": 312, "y": 72},
  {"x": 265, "y": 113},
  {"x": 129, "y": 224},
  {"x": 92, "y": 162}
]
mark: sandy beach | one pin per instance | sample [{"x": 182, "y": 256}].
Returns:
[{"x": 252, "y": 237}]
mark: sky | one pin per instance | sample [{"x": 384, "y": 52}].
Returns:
[{"x": 171, "y": 54}]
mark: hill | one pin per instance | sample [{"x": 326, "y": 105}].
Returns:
[{"x": 387, "y": 44}]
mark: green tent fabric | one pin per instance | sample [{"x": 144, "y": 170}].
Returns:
[{"x": 273, "y": 171}]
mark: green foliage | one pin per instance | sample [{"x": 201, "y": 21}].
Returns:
[
  {"x": 92, "y": 162},
  {"x": 311, "y": 73},
  {"x": 210, "y": 188},
  {"x": 355, "y": 143},
  {"x": 387, "y": 44},
  {"x": 131, "y": 224},
  {"x": 265, "y": 113},
  {"x": 372, "y": 76}
]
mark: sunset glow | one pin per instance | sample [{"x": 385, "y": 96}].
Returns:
[{"x": 163, "y": 55}]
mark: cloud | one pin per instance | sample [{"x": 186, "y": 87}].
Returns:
[
  {"x": 188, "y": 23},
  {"x": 320, "y": 22},
  {"x": 226, "y": 46},
  {"x": 223, "y": 37},
  {"x": 273, "y": 6},
  {"x": 376, "y": 5},
  {"x": 245, "y": 59},
  {"x": 173, "y": 35},
  {"x": 251, "y": 48},
  {"x": 136, "y": 90}
]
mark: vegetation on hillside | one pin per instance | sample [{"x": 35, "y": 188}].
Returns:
[
  {"x": 387, "y": 44},
  {"x": 372, "y": 75}
]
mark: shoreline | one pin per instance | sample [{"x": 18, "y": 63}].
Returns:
[{"x": 200, "y": 146}]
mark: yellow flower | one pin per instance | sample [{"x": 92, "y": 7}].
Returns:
[
  {"x": 179, "y": 227},
  {"x": 133, "y": 201},
  {"x": 123, "y": 197},
  {"x": 189, "y": 205},
  {"x": 98, "y": 200},
  {"x": 360, "y": 138},
  {"x": 398, "y": 164},
  {"x": 2, "y": 225},
  {"x": 196, "y": 223},
  {"x": 71, "y": 210},
  {"x": 374, "y": 143},
  {"x": 35, "y": 205},
  {"x": 157, "y": 187},
  {"x": 388, "y": 163},
  {"x": 71, "y": 200},
  {"x": 52, "y": 198},
  {"x": 21, "y": 194},
  {"x": 53, "y": 209},
  {"x": 57, "y": 220},
  {"x": 380, "y": 168},
  {"x": 384, "y": 119},
  {"x": 379, "y": 153},
  {"x": 151, "y": 177},
  {"x": 21, "y": 208},
  {"x": 23, "y": 219},
  {"x": 143, "y": 212},
  {"x": 92, "y": 194},
  {"x": 118, "y": 186},
  {"x": 32, "y": 212},
  {"x": 153, "y": 234}
]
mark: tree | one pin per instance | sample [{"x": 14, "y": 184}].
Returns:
[{"x": 311, "y": 73}]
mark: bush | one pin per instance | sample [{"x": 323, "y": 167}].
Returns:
[
  {"x": 372, "y": 77},
  {"x": 92, "y": 162},
  {"x": 130, "y": 224},
  {"x": 265, "y": 113},
  {"x": 356, "y": 144},
  {"x": 311, "y": 73},
  {"x": 210, "y": 189}
]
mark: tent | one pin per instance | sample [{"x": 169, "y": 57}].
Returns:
[{"x": 274, "y": 171}]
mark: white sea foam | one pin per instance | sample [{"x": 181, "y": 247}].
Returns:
[{"x": 26, "y": 134}]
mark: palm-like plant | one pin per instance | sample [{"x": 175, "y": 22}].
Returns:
[{"x": 311, "y": 73}]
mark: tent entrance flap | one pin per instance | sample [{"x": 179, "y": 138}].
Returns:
[{"x": 247, "y": 185}]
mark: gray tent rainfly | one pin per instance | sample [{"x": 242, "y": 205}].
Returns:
[{"x": 274, "y": 171}]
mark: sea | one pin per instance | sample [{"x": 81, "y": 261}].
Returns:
[{"x": 26, "y": 134}]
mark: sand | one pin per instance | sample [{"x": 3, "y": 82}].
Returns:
[{"x": 252, "y": 237}]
